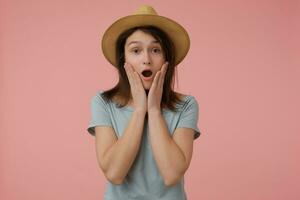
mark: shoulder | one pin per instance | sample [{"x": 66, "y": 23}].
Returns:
[
  {"x": 111, "y": 102},
  {"x": 185, "y": 97},
  {"x": 189, "y": 102},
  {"x": 99, "y": 98},
  {"x": 181, "y": 96}
]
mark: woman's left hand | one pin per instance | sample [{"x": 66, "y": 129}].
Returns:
[{"x": 156, "y": 90}]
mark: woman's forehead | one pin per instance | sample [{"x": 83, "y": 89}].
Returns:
[
  {"x": 139, "y": 37},
  {"x": 142, "y": 42}
]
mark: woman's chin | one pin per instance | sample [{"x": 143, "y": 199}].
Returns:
[{"x": 147, "y": 86}]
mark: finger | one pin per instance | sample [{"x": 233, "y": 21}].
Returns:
[
  {"x": 166, "y": 68},
  {"x": 153, "y": 87},
  {"x": 156, "y": 79},
  {"x": 163, "y": 73},
  {"x": 133, "y": 74},
  {"x": 138, "y": 78}
]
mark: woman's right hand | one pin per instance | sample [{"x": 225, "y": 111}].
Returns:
[{"x": 138, "y": 93}]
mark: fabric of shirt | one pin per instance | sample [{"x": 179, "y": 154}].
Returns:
[{"x": 143, "y": 181}]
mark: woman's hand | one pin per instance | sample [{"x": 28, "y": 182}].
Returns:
[
  {"x": 156, "y": 90},
  {"x": 138, "y": 93}
]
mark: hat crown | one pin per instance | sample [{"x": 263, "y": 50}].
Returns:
[
  {"x": 145, "y": 10},
  {"x": 145, "y": 15}
]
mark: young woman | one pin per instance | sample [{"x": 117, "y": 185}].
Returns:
[{"x": 144, "y": 130}]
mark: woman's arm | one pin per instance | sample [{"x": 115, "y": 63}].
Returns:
[
  {"x": 118, "y": 159},
  {"x": 172, "y": 161}
]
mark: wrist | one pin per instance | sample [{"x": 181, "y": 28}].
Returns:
[
  {"x": 140, "y": 112},
  {"x": 154, "y": 112}
]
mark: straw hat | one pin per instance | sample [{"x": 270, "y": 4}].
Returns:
[{"x": 145, "y": 15}]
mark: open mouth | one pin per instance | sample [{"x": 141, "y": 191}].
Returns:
[{"x": 147, "y": 73}]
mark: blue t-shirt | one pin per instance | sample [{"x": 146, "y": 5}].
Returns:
[{"x": 143, "y": 181}]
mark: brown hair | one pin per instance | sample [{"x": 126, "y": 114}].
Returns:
[{"x": 169, "y": 97}]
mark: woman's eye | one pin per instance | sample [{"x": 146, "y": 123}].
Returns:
[
  {"x": 135, "y": 50},
  {"x": 156, "y": 50}
]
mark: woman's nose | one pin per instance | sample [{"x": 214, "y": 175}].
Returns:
[{"x": 146, "y": 59}]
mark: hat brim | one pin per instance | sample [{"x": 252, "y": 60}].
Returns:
[{"x": 175, "y": 31}]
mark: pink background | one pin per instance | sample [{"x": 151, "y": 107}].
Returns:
[{"x": 242, "y": 67}]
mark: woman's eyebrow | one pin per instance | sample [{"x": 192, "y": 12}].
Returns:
[{"x": 132, "y": 42}]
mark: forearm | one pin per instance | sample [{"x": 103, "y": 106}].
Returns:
[
  {"x": 169, "y": 157},
  {"x": 119, "y": 158}
]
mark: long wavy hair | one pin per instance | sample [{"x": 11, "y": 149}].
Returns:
[{"x": 122, "y": 89}]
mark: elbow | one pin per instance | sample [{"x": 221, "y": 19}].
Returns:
[
  {"x": 173, "y": 177},
  {"x": 114, "y": 179},
  {"x": 172, "y": 180},
  {"x": 111, "y": 175}
]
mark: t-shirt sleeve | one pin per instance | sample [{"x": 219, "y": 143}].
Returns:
[
  {"x": 99, "y": 114},
  {"x": 189, "y": 116}
]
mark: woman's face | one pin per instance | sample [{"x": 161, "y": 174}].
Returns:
[{"x": 144, "y": 52}]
